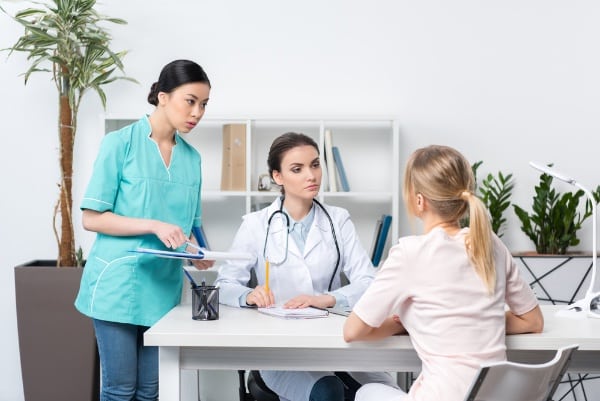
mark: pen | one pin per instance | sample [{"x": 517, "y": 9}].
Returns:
[
  {"x": 189, "y": 276},
  {"x": 267, "y": 275}
]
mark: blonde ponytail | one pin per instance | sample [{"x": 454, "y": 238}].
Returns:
[{"x": 478, "y": 241}]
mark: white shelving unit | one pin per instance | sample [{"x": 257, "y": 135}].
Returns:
[{"x": 369, "y": 149}]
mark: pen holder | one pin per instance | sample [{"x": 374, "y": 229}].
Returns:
[{"x": 205, "y": 302}]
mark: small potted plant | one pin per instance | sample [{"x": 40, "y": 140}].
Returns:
[{"x": 66, "y": 39}]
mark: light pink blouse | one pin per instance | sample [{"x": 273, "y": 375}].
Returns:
[{"x": 454, "y": 324}]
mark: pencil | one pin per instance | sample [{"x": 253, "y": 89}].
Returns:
[{"x": 267, "y": 275}]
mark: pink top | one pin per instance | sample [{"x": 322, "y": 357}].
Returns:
[{"x": 454, "y": 324}]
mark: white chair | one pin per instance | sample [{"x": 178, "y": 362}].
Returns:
[{"x": 510, "y": 381}]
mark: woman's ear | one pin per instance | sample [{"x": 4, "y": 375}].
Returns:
[
  {"x": 277, "y": 178},
  {"x": 162, "y": 98},
  {"x": 420, "y": 203}
]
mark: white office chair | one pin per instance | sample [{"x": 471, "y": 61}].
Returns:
[{"x": 510, "y": 381}]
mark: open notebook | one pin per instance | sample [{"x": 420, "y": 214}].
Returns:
[{"x": 301, "y": 313}]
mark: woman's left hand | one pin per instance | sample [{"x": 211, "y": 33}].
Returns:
[
  {"x": 202, "y": 264},
  {"x": 304, "y": 301}
]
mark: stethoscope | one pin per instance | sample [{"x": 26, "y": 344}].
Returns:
[{"x": 287, "y": 220}]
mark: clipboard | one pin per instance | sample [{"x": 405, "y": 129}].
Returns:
[{"x": 199, "y": 253}]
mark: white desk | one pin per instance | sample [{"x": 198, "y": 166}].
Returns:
[{"x": 246, "y": 339}]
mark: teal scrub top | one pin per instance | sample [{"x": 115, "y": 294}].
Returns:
[{"x": 131, "y": 179}]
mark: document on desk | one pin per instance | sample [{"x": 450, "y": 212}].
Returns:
[{"x": 301, "y": 313}]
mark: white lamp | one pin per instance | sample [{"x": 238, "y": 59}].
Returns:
[{"x": 588, "y": 306}]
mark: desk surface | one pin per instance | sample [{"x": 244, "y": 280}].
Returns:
[
  {"x": 246, "y": 339},
  {"x": 239, "y": 327}
]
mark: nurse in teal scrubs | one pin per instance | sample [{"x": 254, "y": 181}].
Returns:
[{"x": 144, "y": 192}]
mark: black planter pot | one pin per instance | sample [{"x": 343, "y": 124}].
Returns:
[{"x": 59, "y": 357}]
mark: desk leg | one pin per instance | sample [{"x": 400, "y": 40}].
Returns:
[{"x": 169, "y": 373}]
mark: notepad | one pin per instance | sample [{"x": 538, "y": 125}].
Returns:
[{"x": 301, "y": 313}]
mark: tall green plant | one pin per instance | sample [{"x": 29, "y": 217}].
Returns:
[
  {"x": 555, "y": 218},
  {"x": 64, "y": 37},
  {"x": 495, "y": 192}
]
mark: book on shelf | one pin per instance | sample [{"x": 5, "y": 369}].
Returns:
[
  {"x": 376, "y": 234},
  {"x": 233, "y": 171},
  {"x": 382, "y": 230},
  {"x": 341, "y": 172},
  {"x": 330, "y": 162}
]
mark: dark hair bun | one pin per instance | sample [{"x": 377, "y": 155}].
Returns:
[{"x": 153, "y": 95}]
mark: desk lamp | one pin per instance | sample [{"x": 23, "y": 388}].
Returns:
[{"x": 590, "y": 304}]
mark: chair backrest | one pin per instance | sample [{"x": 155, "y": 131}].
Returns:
[
  {"x": 258, "y": 389},
  {"x": 510, "y": 381}
]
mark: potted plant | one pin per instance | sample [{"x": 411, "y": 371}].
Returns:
[
  {"x": 495, "y": 191},
  {"x": 553, "y": 225},
  {"x": 66, "y": 39},
  {"x": 555, "y": 218}
]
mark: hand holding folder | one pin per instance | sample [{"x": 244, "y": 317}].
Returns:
[{"x": 193, "y": 251}]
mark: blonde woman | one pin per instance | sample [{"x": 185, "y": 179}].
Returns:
[{"x": 446, "y": 288}]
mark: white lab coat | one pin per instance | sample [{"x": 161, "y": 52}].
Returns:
[
  {"x": 308, "y": 273},
  {"x": 301, "y": 273}
]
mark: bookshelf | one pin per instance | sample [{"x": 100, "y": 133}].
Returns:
[{"x": 369, "y": 149}]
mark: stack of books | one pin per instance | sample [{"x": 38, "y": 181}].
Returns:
[{"x": 382, "y": 229}]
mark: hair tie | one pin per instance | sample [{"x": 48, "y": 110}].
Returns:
[{"x": 465, "y": 195}]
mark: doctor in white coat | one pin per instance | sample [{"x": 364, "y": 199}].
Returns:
[{"x": 308, "y": 246}]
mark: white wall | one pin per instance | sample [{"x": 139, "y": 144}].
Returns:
[{"x": 503, "y": 81}]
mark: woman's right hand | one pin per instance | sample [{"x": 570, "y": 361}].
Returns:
[
  {"x": 170, "y": 235},
  {"x": 260, "y": 297}
]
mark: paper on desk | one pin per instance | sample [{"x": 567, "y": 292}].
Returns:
[
  {"x": 204, "y": 254},
  {"x": 301, "y": 313}
]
